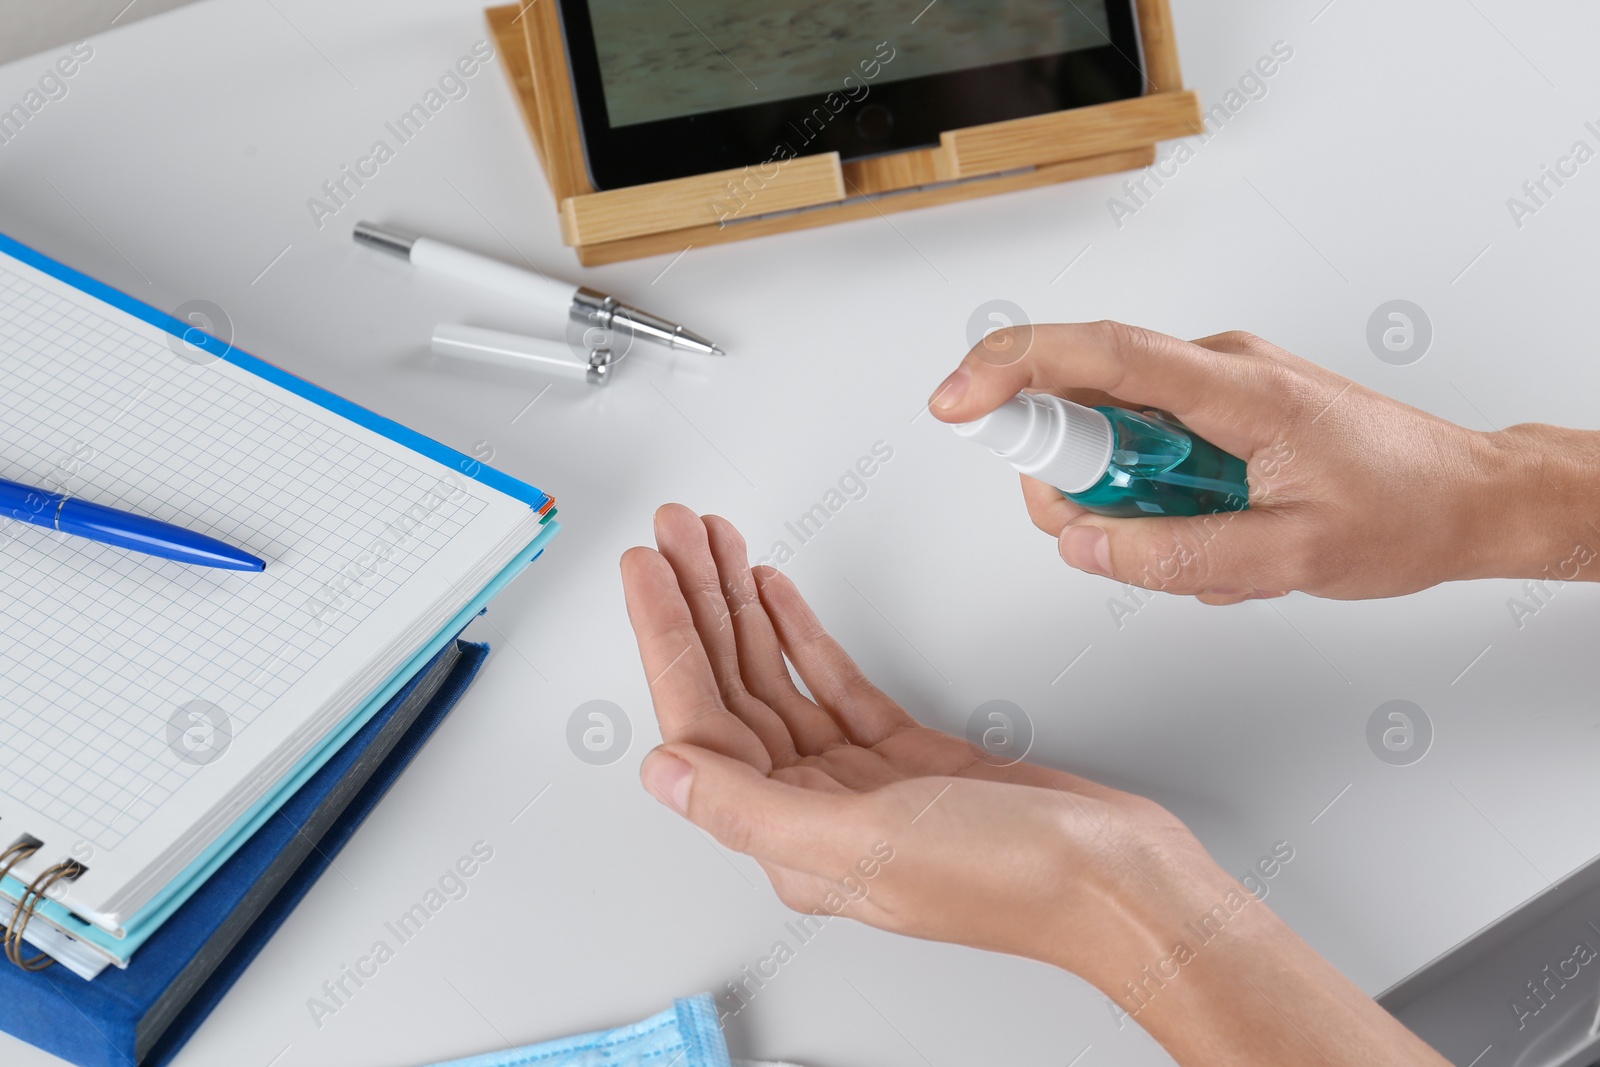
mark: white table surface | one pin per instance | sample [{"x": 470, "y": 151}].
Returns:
[
  {"x": 1376, "y": 167},
  {"x": 34, "y": 27}
]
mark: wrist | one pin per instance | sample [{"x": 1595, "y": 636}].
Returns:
[
  {"x": 1153, "y": 884},
  {"x": 1183, "y": 910},
  {"x": 1537, "y": 504}
]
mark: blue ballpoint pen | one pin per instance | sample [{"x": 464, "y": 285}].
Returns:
[{"x": 109, "y": 526}]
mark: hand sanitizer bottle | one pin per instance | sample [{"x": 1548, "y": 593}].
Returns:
[{"x": 1112, "y": 461}]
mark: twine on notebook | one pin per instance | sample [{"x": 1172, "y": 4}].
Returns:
[{"x": 27, "y": 904}]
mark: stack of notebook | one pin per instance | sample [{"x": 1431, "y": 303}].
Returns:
[{"x": 182, "y": 749}]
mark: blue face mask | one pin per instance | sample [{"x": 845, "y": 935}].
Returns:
[{"x": 685, "y": 1035}]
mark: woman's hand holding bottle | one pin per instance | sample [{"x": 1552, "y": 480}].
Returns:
[{"x": 1352, "y": 494}]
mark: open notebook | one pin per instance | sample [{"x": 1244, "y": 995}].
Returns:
[{"x": 149, "y": 709}]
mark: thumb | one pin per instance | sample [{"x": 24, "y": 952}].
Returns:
[
  {"x": 1230, "y": 550},
  {"x": 802, "y": 829}
]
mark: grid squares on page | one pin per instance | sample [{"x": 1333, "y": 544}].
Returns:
[{"x": 101, "y": 648}]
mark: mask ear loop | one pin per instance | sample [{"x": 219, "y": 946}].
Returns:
[{"x": 25, "y": 908}]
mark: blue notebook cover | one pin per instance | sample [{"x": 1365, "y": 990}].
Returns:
[{"x": 114, "y": 1020}]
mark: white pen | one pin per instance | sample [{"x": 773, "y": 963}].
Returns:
[{"x": 558, "y": 301}]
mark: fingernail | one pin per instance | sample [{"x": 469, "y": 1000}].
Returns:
[
  {"x": 1269, "y": 595},
  {"x": 951, "y": 390},
  {"x": 667, "y": 778},
  {"x": 1087, "y": 548}
]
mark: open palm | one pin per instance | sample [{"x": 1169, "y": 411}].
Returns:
[{"x": 809, "y": 785}]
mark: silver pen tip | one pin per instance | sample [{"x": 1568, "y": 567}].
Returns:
[{"x": 692, "y": 341}]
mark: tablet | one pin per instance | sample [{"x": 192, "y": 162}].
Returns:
[{"x": 671, "y": 88}]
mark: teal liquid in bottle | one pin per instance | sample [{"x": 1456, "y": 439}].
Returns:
[{"x": 1112, "y": 461}]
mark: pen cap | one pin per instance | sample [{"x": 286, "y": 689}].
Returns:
[
  {"x": 1056, "y": 441},
  {"x": 526, "y": 353}
]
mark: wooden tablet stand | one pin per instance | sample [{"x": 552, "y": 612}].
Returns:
[{"x": 668, "y": 217}]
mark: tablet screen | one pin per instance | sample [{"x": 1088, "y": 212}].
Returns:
[{"x": 667, "y": 59}]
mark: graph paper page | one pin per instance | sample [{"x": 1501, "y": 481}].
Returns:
[{"x": 139, "y": 694}]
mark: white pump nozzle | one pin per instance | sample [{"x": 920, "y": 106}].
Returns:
[{"x": 1056, "y": 441}]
